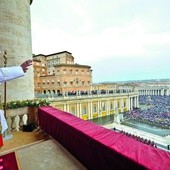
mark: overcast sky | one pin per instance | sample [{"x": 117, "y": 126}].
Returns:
[{"x": 120, "y": 39}]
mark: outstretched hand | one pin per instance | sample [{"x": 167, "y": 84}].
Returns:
[{"x": 25, "y": 65}]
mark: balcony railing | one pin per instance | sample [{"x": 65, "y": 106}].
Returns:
[
  {"x": 18, "y": 117},
  {"x": 78, "y": 94}
]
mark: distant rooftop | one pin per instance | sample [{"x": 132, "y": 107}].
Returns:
[{"x": 52, "y": 54}]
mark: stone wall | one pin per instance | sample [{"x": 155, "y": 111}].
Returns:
[{"x": 15, "y": 37}]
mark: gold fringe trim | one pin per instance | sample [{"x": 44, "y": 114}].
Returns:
[{"x": 17, "y": 160}]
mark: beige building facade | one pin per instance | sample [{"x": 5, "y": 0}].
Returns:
[
  {"x": 93, "y": 106},
  {"x": 104, "y": 86},
  {"x": 58, "y": 74}
]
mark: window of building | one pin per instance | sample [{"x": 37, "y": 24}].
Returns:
[
  {"x": 71, "y": 83},
  {"x": 64, "y": 71},
  {"x": 76, "y": 72},
  {"x": 82, "y": 83},
  {"x": 65, "y": 84}
]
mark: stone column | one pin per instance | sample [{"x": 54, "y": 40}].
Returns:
[
  {"x": 65, "y": 107},
  {"x": 127, "y": 104},
  {"x": 68, "y": 107},
  {"x": 99, "y": 108},
  {"x": 91, "y": 110},
  {"x": 108, "y": 107},
  {"x": 131, "y": 104},
  {"x": 114, "y": 106},
  {"x": 137, "y": 101},
  {"x": 80, "y": 110},
  {"x": 77, "y": 109},
  {"x": 15, "y": 38}
]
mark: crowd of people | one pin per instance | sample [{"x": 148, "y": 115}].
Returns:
[
  {"x": 81, "y": 92},
  {"x": 140, "y": 139},
  {"x": 156, "y": 111}
]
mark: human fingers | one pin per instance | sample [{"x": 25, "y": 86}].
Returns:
[{"x": 28, "y": 62}]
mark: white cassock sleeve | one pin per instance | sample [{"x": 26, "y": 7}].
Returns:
[
  {"x": 9, "y": 73},
  {"x": 3, "y": 122}
]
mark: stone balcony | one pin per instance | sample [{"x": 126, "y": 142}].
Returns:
[
  {"x": 37, "y": 150},
  {"x": 34, "y": 150}
]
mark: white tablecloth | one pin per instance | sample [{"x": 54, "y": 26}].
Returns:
[{"x": 3, "y": 122}]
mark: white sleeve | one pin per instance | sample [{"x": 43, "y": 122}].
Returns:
[
  {"x": 9, "y": 73},
  {"x": 3, "y": 122}
]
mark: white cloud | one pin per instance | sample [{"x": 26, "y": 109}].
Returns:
[
  {"x": 127, "y": 41},
  {"x": 78, "y": 9},
  {"x": 97, "y": 31}
]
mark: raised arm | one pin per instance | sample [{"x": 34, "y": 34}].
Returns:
[{"x": 10, "y": 73}]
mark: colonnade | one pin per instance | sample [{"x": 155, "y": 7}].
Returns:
[
  {"x": 154, "y": 90},
  {"x": 97, "y": 106},
  {"x": 133, "y": 102}
]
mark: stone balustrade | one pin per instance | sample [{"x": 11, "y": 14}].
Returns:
[{"x": 16, "y": 118}]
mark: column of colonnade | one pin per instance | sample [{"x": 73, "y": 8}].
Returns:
[
  {"x": 90, "y": 111},
  {"x": 77, "y": 110},
  {"x": 121, "y": 103},
  {"x": 65, "y": 107},
  {"x": 127, "y": 104},
  {"x": 80, "y": 110},
  {"x": 98, "y": 108},
  {"x": 115, "y": 106},
  {"x": 130, "y": 103},
  {"x": 107, "y": 107}
]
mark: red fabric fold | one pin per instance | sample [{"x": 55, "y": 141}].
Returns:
[
  {"x": 100, "y": 148},
  {"x": 9, "y": 161}
]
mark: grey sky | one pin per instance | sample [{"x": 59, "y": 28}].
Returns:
[{"x": 120, "y": 39}]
